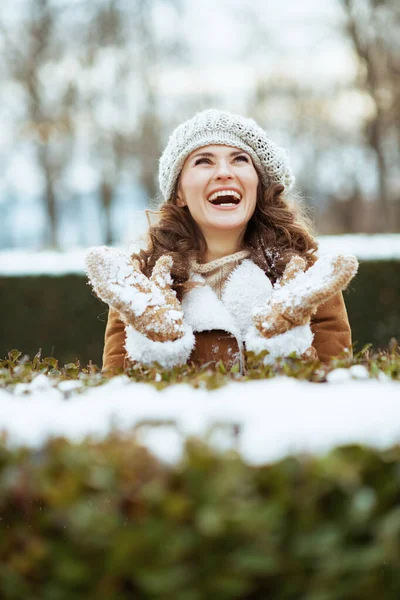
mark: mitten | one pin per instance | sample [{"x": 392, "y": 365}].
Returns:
[
  {"x": 149, "y": 305},
  {"x": 296, "y": 297}
]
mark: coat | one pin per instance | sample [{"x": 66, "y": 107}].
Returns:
[{"x": 221, "y": 329}]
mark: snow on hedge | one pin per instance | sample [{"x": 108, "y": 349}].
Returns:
[
  {"x": 365, "y": 247},
  {"x": 274, "y": 417}
]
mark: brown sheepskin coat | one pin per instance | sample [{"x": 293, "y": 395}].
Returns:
[{"x": 330, "y": 326}]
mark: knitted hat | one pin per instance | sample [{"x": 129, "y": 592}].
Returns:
[{"x": 214, "y": 126}]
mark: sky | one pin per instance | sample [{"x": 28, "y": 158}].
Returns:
[{"x": 296, "y": 38}]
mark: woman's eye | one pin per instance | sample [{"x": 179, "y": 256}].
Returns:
[{"x": 241, "y": 156}]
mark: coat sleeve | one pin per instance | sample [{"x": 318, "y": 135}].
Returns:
[
  {"x": 114, "y": 342},
  {"x": 331, "y": 328},
  {"x": 123, "y": 345}
]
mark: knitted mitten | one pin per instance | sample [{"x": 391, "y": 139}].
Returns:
[
  {"x": 147, "y": 304},
  {"x": 299, "y": 293}
]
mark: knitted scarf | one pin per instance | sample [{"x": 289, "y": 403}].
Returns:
[{"x": 217, "y": 271}]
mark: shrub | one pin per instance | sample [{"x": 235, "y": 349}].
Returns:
[
  {"x": 63, "y": 317},
  {"x": 107, "y": 520}
]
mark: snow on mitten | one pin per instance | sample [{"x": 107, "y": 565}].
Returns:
[
  {"x": 149, "y": 305},
  {"x": 299, "y": 293},
  {"x": 295, "y": 266}
]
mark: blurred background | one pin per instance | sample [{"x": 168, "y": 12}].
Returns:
[{"x": 91, "y": 89}]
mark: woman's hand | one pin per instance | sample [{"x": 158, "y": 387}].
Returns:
[
  {"x": 149, "y": 305},
  {"x": 299, "y": 293}
]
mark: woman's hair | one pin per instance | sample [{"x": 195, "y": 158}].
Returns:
[{"x": 278, "y": 229}]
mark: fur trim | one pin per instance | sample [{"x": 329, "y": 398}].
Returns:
[
  {"x": 247, "y": 286},
  {"x": 246, "y": 289},
  {"x": 295, "y": 340},
  {"x": 168, "y": 354},
  {"x": 204, "y": 311}
]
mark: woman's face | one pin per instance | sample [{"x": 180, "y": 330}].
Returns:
[{"x": 214, "y": 168}]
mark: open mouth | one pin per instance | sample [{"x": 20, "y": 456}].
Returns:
[{"x": 225, "y": 199}]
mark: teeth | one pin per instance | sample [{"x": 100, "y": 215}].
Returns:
[{"x": 225, "y": 193}]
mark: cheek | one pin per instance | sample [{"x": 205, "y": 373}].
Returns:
[
  {"x": 193, "y": 204},
  {"x": 191, "y": 186},
  {"x": 251, "y": 179}
]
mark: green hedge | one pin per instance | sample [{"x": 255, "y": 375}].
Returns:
[
  {"x": 61, "y": 315},
  {"x": 17, "y": 368},
  {"x": 106, "y": 520},
  {"x": 373, "y": 303}
]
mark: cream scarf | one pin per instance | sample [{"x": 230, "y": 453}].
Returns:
[{"x": 217, "y": 271}]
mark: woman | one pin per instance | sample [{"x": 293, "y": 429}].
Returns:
[{"x": 231, "y": 264}]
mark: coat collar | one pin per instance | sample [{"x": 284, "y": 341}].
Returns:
[{"x": 247, "y": 286}]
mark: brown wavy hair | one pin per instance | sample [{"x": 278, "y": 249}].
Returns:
[{"x": 279, "y": 228}]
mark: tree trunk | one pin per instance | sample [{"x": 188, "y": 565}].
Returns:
[
  {"x": 377, "y": 141},
  {"x": 51, "y": 235},
  {"x": 368, "y": 54},
  {"x": 106, "y": 193}
]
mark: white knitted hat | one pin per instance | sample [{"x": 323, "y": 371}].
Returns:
[{"x": 214, "y": 126}]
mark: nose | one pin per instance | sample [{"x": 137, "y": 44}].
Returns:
[{"x": 223, "y": 170}]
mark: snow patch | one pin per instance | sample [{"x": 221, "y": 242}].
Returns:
[
  {"x": 16, "y": 263},
  {"x": 273, "y": 417}
]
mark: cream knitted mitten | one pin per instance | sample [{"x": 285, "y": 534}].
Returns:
[
  {"x": 299, "y": 293},
  {"x": 149, "y": 305}
]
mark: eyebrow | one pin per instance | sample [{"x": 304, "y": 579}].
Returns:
[{"x": 210, "y": 154}]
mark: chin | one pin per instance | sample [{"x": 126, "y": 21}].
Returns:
[{"x": 227, "y": 223}]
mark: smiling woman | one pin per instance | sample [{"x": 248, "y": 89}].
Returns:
[
  {"x": 219, "y": 188},
  {"x": 231, "y": 264}
]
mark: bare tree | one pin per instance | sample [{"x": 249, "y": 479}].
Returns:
[
  {"x": 318, "y": 145},
  {"x": 372, "y": 27},
  {"x": 282, "y": 102},
  {"x": 132, "y": 143},
  {"x": 117, "y": 122},
  {"x": 31, "y": 48}
]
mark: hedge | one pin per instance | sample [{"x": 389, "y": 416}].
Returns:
[
  {"x": 382, "y": 365},
  {"x": 106, "y": 520},
  {"x": 61, "y": 316}
]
